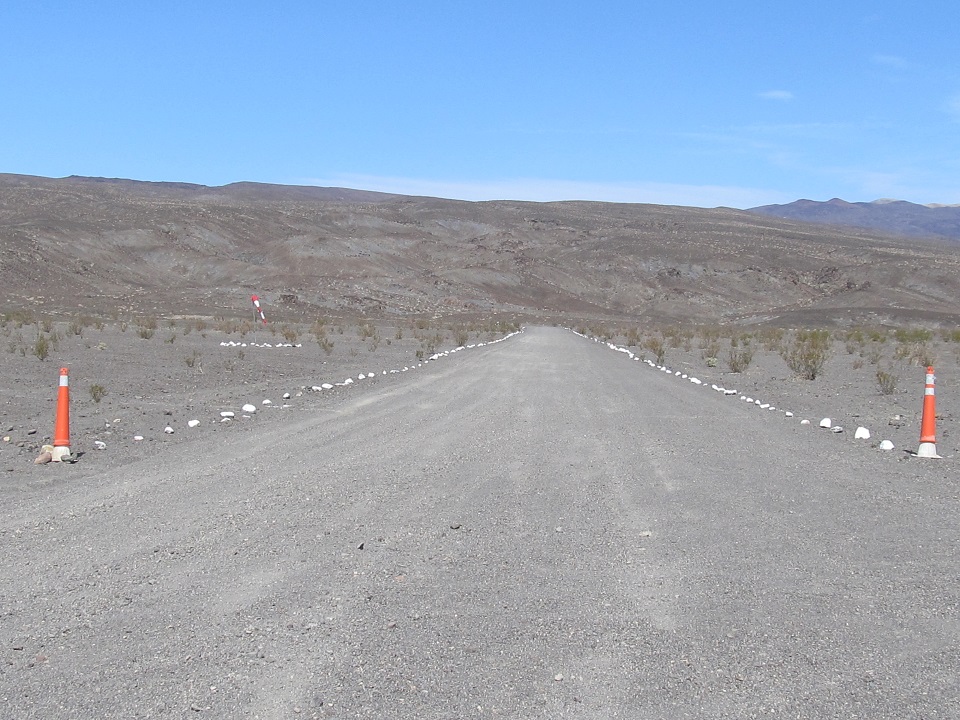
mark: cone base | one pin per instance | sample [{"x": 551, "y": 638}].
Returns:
[
  {"x": 60, "y": 452},
  {"x": 928, "y": 450}
]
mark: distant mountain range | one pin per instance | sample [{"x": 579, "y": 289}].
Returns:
[{"x": 896, "y": 217}]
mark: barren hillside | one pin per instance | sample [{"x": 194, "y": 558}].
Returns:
[{"x": 85, "y": 244}]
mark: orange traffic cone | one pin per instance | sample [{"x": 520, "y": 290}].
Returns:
[
  {"x": 928, "y": 421},
  {"x": 61, "y": 428}
]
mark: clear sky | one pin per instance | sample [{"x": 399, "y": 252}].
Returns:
[{"x": 699, "y": 103}]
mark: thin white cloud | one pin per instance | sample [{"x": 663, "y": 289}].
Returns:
[
  {"x": 893, "y": 61},
  {"x": 953, "y": 107},
  {"x": 539, "y": 190},
  {"x": 780, "y": 95}
]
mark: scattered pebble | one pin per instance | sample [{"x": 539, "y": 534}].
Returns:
[
  {"x": 193, "y": 423},
  {"x": 862, "y": 433},
  {"x": 168, "y": 430},
  {"x": 248, "y": 408},
  {"x": 826, "y": 423}
]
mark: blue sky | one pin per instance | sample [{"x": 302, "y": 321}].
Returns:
[{"x": 701, "y": 103}]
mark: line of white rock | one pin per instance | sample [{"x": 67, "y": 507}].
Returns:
[
  {"x": 861, "y": 433},
  {"x": 249, "y": 410},
  {"x": 231, "y": 343}
]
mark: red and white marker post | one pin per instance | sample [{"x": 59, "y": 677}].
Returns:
[{"x": 258, "y": 309}]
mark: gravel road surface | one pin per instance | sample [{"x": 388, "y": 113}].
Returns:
[{"x": 540, "y": 528}]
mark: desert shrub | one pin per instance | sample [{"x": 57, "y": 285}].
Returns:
[
  {"x": 951, "y": 335},
  {"x": 325, "y": 344},
  {"x": 461, "y": 337},
  {"x": 398, "y": 335},
  {"x": 146, "y": 327},
  {"x": 19, "y": 318},
  {"x": 76, "y": 327},
  {"x": 290, "y": 334},
  {"x": 711, "y": 351},
  {"x": 807, "y": 353},
  {"x": 858, "y": 364},
  {"x": 599, "y": 331},
  {"x": 915, "y": 353},
  {"x": 673, "y": 337},
  {"x": 422, "y": 324},
  {"x": 709, "y": 335},
  {"x": 193, "y": 359},
  {"x": 906, "y": 336},
  {"x": 770, "y": 339},
  {"x": 41, "y": 347},
  {"x": 97, "y": 392},
  {"x": 655, "y": 344},
  {"x": 886, "y": 381},
  {"x": 739, "y": 358},
  {"x": 711, "y": 361},
  {"x": 366, "y": 330}
]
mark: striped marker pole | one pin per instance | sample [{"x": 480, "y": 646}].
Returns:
[
  {"x": 928, "y": 421},
  {"x": 61, "y": 427},
  {"x": 259, "y": 310}
]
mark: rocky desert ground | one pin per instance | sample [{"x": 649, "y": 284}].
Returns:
[
  {"x": 148, "y": 378},
  {"x": 503, "y": 459}
]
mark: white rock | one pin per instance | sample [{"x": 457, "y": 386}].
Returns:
[
  {"x": 138, "y": 437},
  {"x": 327, "y": 386},
  {"x": 749, "y": 400},
  {"x": 804, "y": 422},
  {"x": 193, "y": 423},
  {"x": 227, "y": 414},
  {"x": 99, "y": 444},
  {"x": 862, "y": 433},
  {"x": 886, "y": 445},
  {"x": 348, "y": 381},
  {"x": 361, "y": 376},
  {"x": 317, "y": 388},
  {"x": 267, "y": 402},
  {"x": 764, "y": 406},
  {"x": 168, "y": 430},
  {"x": 248, "y": 408},
  {"x": 826, "y": 423},
  {"x": 286, "y": 396},
  {"x": 788, "y": 413}
]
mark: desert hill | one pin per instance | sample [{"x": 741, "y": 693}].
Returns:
[{"x": 97, "y": 245}]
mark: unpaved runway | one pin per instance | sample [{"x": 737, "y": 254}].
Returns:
[{"x": 535, "y": 529}]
